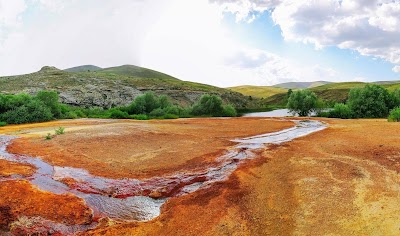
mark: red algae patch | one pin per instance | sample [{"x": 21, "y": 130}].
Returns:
[{"x": 21, "y": 199}]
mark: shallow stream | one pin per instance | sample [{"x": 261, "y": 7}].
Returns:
[{"x": 141, "y": 200}]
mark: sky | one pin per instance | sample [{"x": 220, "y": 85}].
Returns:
[{"x": 219, "y": 42}]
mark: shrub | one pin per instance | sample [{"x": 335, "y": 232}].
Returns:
[
  {"x": 48, "y": 136},
  {"x": 60, "y": 130},
  {"x": 394, "y": 115},
  {"x": 229, "y": 111},
  {"x": 340, "y": 110},
  {"x": 10, "y": 102},
  {"x": 157, "y": 112},
  {"x": 302, "y": 102},
  {"x": 140, "y": 117},
  {"x": 170, "y": 116},
  {"x": 174, "y": 110},
  {"x": 95, "y": 112},
  {"x": 69, "y": 115},
  {"x": 118, "y": 114},
  {"x": 164, "y": 102},
  {"x": 33, "y": 111},
  {"x": 3, "y": 124}
]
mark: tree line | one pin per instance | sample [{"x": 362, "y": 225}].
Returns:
[
  {"x": 45, "y": 106},
  {"x": 372, "y": 101}
]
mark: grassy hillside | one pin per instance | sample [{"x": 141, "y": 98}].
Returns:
[
  {"x": 334, "y": 92},
  {"x": 258, "y": 91},
  {"x": 301, "y": 85},
  {"x": 84, "y": 68},
  {"x": 114, "y": 86},
  {"x": 136, "y": 71}
]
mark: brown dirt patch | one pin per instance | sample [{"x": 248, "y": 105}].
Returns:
[
  {"x": 141, "y": 149},
  {"x": 20, "y": 198}
]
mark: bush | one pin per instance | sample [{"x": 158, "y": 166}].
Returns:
[
  {"x": 229, "y": 111},
  {"x": 96, "y": 112},
  {"x": 170, "y": 116},
  {"x": 33, "y": 111},
  {"x": 174, "y": 110},
  {"x": 394, "y": 115},
  {"x": 118, "y": 114},
  {"x": 3, "y": 124},
  {"x": 140, "y": 117},
  {"x": 302, "y": 102},
  {"x": 69, "y": 115},
  {"x": 340, "y": 110},
  {"x": 210, "y": 105},
  {"x": 157, "y": 112},
  {"x": 372, "y": 101}
]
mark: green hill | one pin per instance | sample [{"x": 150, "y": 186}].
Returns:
[
  {"x": 136, "y": 71},
  {"x": 114, "y": 86},
  {"x": 258, "y": 91},
  {"x": 301, "y": 85},
  {"x": 84, "y": 68},
  {"x": 334, "y": 92}
]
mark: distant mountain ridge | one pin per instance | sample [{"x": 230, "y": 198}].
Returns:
[
  {"x": 301, "y": 85},
  {"x": 92, "y": 86}
]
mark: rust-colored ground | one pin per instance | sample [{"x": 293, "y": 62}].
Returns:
[
  {"x": 20, "y": 198},
  {"x": 8, "y": 168},
  {"x": 140, "y": 149},
  {"x": 340, "y": 181}
]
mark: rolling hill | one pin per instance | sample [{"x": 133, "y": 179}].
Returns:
[
  {"x": 85, "y": 68},
  {"x": 333, "y": 92},
  {"x": 114, "y": 86},
  {"x": 258, "y": 91},
  {"x": 301, "y": 85}
]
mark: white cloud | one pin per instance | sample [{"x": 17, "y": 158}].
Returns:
[
  {"x": 10, "y": 12},
  {"x": 396, "y": 69},
  {"x": 268, "y": 68},
  {"x": 53, "y": 5},
  {"x": 370, "y": 27},
  {"x": 246, "y": 9},
  {"x": 183, "y": 38}
]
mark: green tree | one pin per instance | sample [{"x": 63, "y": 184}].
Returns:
[
  {"x": 33, "y": 111},
  {"x": 289, "y": 92},
  {"x": 302, "y": 102},
  {"x": 372, "y": 101},
  {"x": 208, "y": 105},
  {"x": 50, "y": 99}
]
